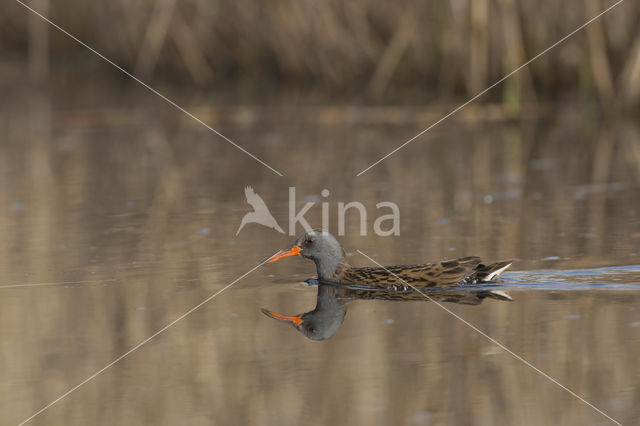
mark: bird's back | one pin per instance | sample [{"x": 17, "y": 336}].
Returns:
[{"x": 465, "y": 270}]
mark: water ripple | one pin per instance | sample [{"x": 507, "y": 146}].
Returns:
[{"x": 609, "y": 278}]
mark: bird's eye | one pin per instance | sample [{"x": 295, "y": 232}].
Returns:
[
  {"x": 312, "y": 330},
  {"x": 309, "y": 241}
]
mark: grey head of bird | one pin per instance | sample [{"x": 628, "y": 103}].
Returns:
[
  {"x": 322, "y": 322},
  {"x": 321, "y": 247}
]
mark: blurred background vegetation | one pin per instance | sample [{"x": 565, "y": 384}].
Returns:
[{"x": 373, "y": 51}]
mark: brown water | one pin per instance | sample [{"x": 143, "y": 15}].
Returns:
[{"x": 115, "y": 222}]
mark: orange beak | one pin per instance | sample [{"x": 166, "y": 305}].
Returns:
[
  {"x": 293, "y": 251},
  {"x": 296, "y": 320}
]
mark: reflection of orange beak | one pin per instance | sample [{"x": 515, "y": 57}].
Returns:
[
  {"x": 293, "y": 251},
  {"x": 296, "y": 320}
]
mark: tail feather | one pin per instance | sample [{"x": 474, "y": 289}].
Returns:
[
  {"x": 485, "y": 273},
  {"x": 488, "y": 273}
]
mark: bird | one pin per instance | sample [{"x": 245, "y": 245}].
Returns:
[
  {"x": 260, "y": 213},
  {"x": 325, "y": 319},
  {"x": 323, "y": 248}
]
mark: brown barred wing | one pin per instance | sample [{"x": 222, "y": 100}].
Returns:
[{"x": 450, "y": 273}]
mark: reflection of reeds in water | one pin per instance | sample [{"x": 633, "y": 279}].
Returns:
[
  {"x": 130, "y": 204},
  {"x": 439, "y": 48}
]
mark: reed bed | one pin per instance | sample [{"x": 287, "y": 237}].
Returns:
[{"x": 384, "y": 51}]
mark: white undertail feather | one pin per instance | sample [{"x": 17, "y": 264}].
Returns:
[
  {"x": 495, "y": 273},
  {"x": 497, "y": 293}
]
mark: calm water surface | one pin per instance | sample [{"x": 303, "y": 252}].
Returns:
[{"x": 114, "y": 222}]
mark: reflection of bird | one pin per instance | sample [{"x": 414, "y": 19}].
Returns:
[
  {"x": 260, "y": 213},
  {"x": 322, "y": 322},
  {"x": 325, "y": 251},
  {"x": 331, "y": 304}
]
